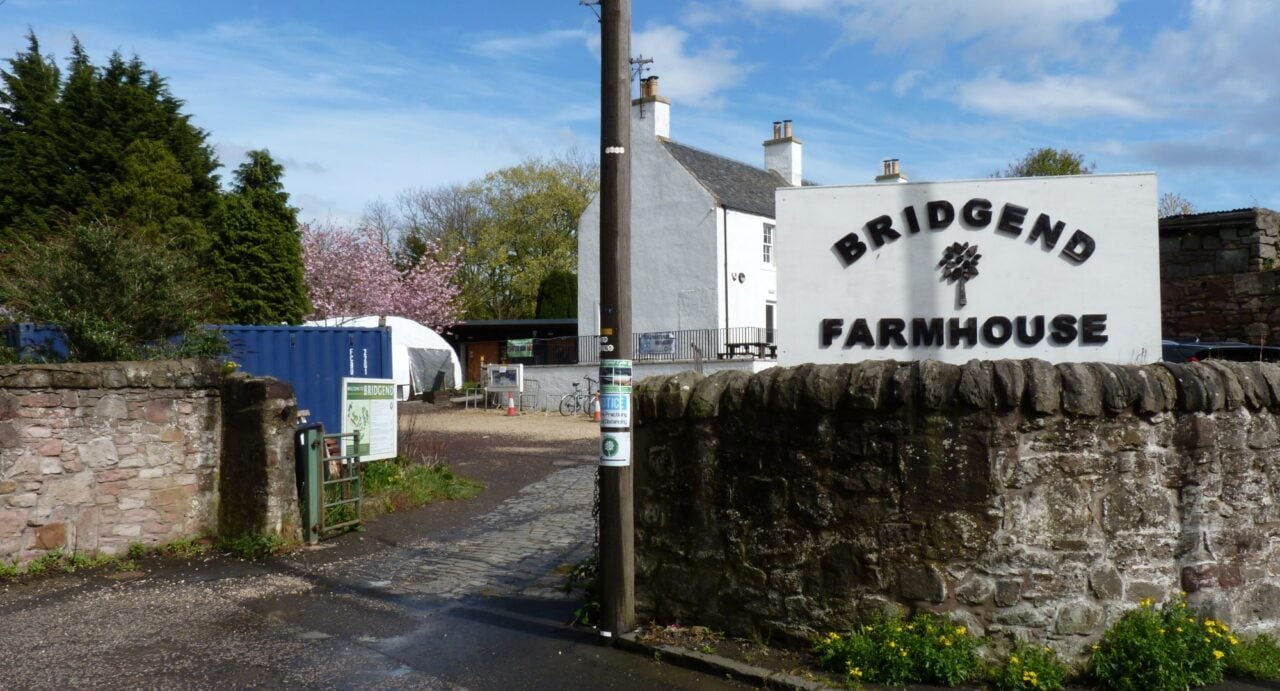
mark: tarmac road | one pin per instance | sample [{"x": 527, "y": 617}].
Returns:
[{"x": 458, "y": 595}]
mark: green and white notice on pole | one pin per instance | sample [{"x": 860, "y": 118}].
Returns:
[{"x": 615, "y": 413}]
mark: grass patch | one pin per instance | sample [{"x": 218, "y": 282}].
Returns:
[
  {"x": 254, "y": 547},
  {"x": 58, "y": 561},
  {"x": 399, "y": 484}
]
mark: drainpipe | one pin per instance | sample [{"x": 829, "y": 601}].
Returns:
[{"x": 724, "y": 215}]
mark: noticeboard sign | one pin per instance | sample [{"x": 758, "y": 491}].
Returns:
[
  {"x": 520, "y": 348},
  {"x": 1060, "y": 268},
  {"x": 369, "y": 407},
  {"x": 658, "y": 343},
  {"x": 504, "y": 378}
]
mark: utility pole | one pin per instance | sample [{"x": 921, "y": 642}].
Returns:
[{"x": 617, "y": 520}]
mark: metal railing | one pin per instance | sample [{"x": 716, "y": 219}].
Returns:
[
  {"x": 752, "y": 342},
  {"x": 688, "y": 344}
]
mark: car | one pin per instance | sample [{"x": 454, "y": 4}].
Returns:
[{"x": 1235, "y": 351}]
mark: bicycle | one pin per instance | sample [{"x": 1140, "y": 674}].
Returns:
[{"x": 577, "y": 401}]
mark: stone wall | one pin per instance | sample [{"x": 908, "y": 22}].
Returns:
[
  {"x": 1219, "y": 275},
  {"x": 1032, "y": 500},
  {"x": 96, "y": 456}
]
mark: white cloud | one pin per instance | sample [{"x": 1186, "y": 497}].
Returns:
[
  {"x": 989, "y": 29},
  {"x": 696, "y": 78},
  {"x": 1049, "y": 99},
  {"x": 789, "y": 5},
  {"x": 526, "y": 43}
]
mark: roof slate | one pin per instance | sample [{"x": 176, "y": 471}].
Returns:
[{"x": 735, "y": 185}]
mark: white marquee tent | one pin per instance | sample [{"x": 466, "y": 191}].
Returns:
[{"x": 421, "y": 360}]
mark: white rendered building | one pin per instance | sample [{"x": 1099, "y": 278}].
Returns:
[{"x": 702, "y": 231}]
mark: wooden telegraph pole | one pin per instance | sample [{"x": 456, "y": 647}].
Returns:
[{"x": 617, "y": 539}]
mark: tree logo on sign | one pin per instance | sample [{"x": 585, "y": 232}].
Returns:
[
  {"x": 609, "y": 447},
  {"x": 959, "y": 264}
]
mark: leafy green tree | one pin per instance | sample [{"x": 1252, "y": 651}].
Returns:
[
  {"x": 1046, "y": 161},
  {"x": 257, "y": 249},
  {"x": 512, "y": 228},
  {"x": 105, "y": 142},
  {"x": 558, "y": 295},
  {"x": 115, "y": 296}
]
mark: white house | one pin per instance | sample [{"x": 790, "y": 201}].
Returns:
[{"x": 702, "y": 231}]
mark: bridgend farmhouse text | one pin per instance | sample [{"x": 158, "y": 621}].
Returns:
[{"x": 889, "y": 271}]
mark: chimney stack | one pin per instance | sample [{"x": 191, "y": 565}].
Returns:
[
  {"x": 651, "y": 113},
  {"x": 891, "y": 172},
  {"x": 782, "y": 154}
]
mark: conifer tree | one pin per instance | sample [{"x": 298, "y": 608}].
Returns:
[
  {"x": 257, "y": 249},
  {"x": 83, "y": 147}
]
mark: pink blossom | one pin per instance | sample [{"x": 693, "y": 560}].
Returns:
[{"x": 351, "y": 272}]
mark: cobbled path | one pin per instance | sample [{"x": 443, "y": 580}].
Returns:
[{"x": 518, "y": 548}]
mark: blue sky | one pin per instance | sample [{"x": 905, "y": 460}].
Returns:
[{"x": 362, "y": 100}]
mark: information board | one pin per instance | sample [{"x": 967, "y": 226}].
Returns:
[{"x": 369, "y": 407}]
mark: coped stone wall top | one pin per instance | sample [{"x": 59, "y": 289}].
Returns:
[
  {"x": 1036, "y": 386},
  {"x": 154, "y": 374}
]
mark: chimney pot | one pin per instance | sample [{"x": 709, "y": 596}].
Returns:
[
  {"x": 777, "y": 129},
  {"x": 649, "y": 87},
  {"x": 786, "y": 128}
]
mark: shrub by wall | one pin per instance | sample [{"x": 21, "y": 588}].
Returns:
[{"x": 1029, "y": 499}]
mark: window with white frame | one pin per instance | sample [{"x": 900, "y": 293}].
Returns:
[{"x": 768, "y": 243}]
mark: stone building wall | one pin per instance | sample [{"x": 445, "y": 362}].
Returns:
[
  {"x": 1220, "y": 276},
  {"x": 96, "y": 456},
  {"x": 1031, "y": 500}
]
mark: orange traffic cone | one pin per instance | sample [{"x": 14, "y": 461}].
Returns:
[
  {"x": 595, "y": 409},
  {"x": 511, "y": 406}
]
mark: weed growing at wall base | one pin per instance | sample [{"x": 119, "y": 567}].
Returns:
[
  {"x": 1258, "y": 658},
  {"x": 1162, "y": 648},
  {"x": 926, "y": 649},
  {"x": 1029, "y": 668}
]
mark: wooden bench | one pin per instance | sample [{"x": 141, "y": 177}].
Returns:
[{"x": 756, "y": 349}]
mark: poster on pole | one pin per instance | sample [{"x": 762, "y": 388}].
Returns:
[
  {"x": 369, "y": 407},
  {"x": 615, "y": 413}
]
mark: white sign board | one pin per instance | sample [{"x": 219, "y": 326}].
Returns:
[
  {"x": 369, "y": 407},
  {"x": 1065, "y": 269},
  {"x": 504, "y": 378}
]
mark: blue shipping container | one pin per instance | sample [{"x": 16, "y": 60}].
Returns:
[
  {"x": 37, "y": 342},
  {"x": 314, "y": 359}
]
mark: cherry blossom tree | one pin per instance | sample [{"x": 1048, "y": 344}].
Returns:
[{"x": 353, "y": 272}]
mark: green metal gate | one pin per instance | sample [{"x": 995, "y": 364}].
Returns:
[{"x": 330, "y": 483}]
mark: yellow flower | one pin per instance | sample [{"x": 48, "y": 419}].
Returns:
[
  {"x": 946, "y": 641},
  {"x": 1013, "y": 659},
  {"x": 1146, "y": 602},
  {"x": 1232, "y": 640},
  {"x": 855, "y": 672},
  {"x": 911, "y": 627},
  {"x": 1161, "y": 632},
  {"x": 1097, "y": 647},
  {"x": 1179, "y": 629},
  {"x": 1218, "y": 654},
  {"x": 904, "y": 653},
  {"x": 960, "y": 630},
  {"x": 1206, "y": 640},
  {"x": 1191, "y": 620},
  {"x": 893, "y": 644},
  {"x": 1047, "y": 650}
]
